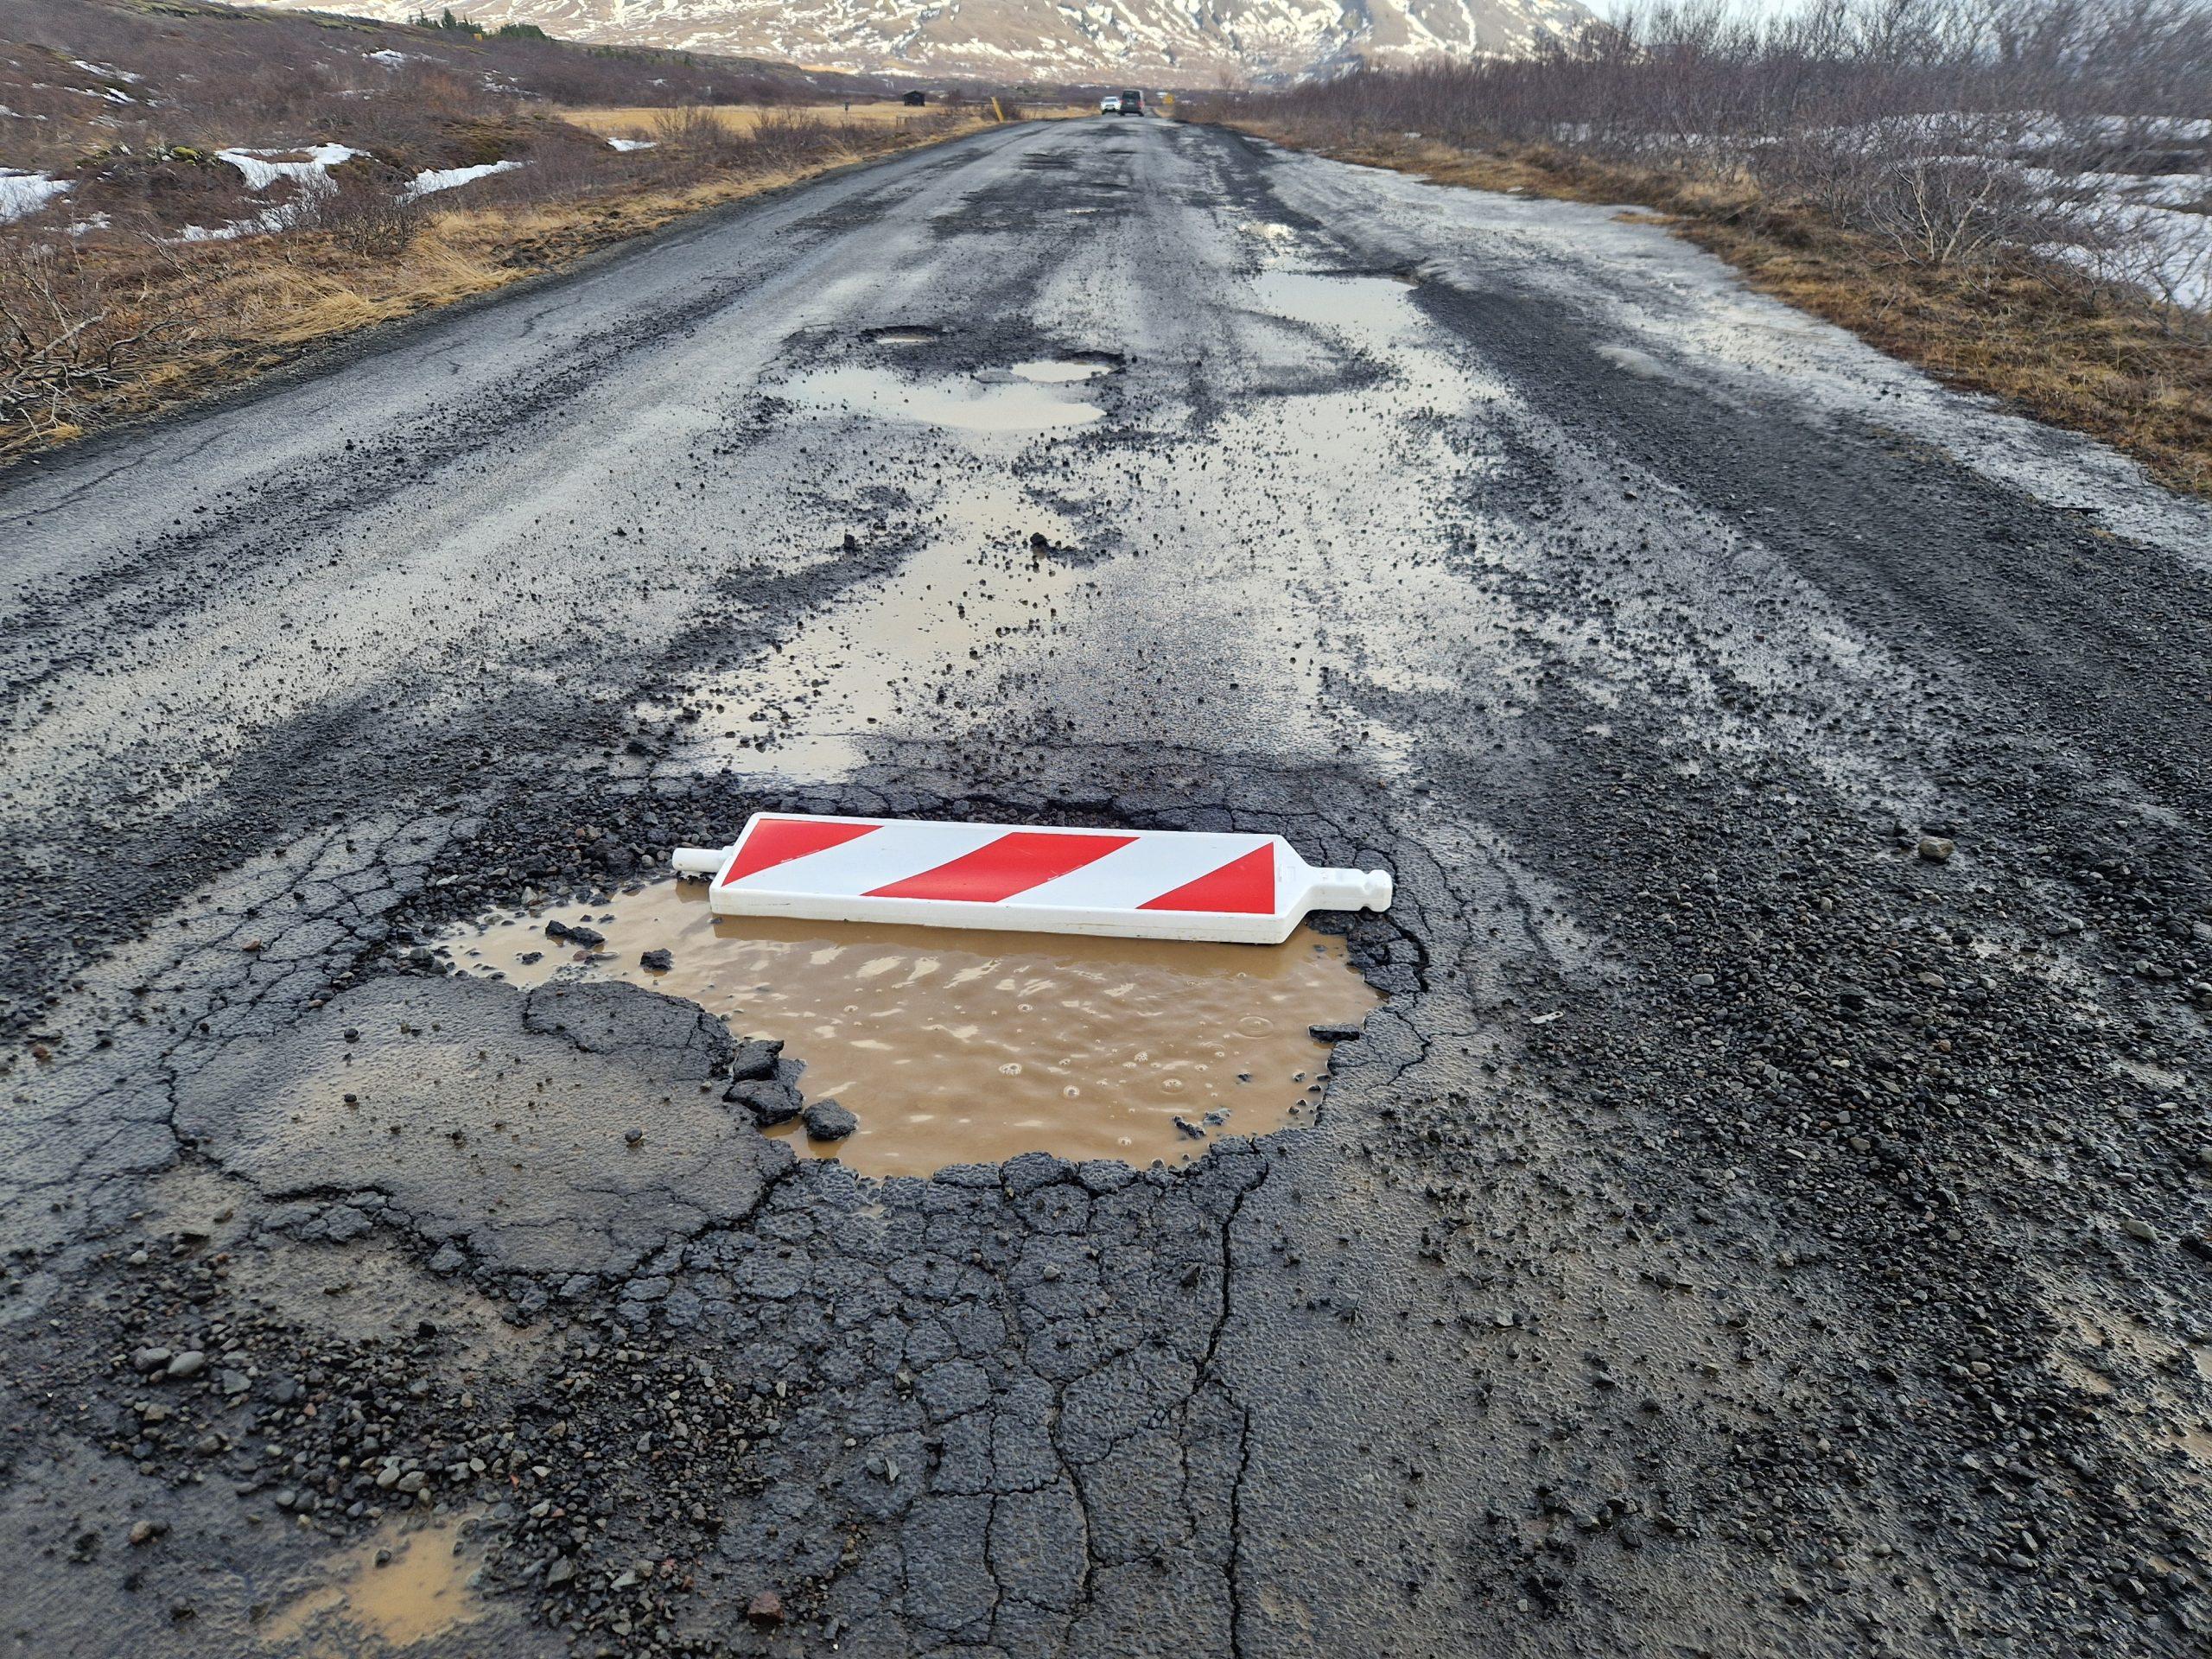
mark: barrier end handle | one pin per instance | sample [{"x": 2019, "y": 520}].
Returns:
[{"x": 1353, "y": 890}]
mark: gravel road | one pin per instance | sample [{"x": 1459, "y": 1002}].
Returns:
[{"x": 1768, "y": 1214}]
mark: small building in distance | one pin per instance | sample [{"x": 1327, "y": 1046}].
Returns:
[{"x": 916, "y": 99}]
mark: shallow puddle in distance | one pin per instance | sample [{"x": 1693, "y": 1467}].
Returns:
[
  {"x": 916, "y": 334},
  {"x": 1054, "y": 372},
  {"x": 963, "y": 1046},
  {"x": 969, "y": 403},
  {"x": 1354, "y": 304},
  {"x": 923, "y": 648},
  {"x": 421, "y": 1593}
]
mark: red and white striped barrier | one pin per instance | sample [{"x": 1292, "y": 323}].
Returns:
[{"x": 1132, "y": 884}]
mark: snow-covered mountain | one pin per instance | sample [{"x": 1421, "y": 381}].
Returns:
[{"x": 1164, "y": 42}]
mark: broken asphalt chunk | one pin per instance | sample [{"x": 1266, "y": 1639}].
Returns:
[
  {"x": 613, "y": 1018},
  {"x": 770, "y": 1102},
  {"x": 756, "y": 1057}
]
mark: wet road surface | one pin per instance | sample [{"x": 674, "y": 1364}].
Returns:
[{"x": 1768, "y": 1213}]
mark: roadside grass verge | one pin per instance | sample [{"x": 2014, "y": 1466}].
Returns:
[
  {"x": 99, "y": 331},
  {"x": 2037, "y": 333},
  {"x": 742, "y": 119}
]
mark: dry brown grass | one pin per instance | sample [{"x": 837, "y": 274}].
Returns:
[
  {"x": 739, "y": 119},
  {"x": 2034, "y": 332},
  {"x": 227, "y": 311},
  {"x": 643, "y": 121}
]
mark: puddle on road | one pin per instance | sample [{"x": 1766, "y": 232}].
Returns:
[
  {"x": 904, "y": 334},
  {"x": 422, "y": 1591},
  {"x": 959, "y": 1046},
  {"x": 1353, "y": 303},
  {"x": 1001, "y": 402},
  {"x": 1060, "y": 371},
  {"x": 922, "y": 649}
]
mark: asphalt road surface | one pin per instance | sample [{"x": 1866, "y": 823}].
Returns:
[{"x": 1766, "y": 1216}]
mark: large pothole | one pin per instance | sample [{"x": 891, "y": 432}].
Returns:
[
  {"x": 958, "y": 1046},
  {"x": 995, "y": 401}
]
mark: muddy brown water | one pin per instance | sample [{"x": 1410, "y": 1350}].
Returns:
[
  {"x": 955, "y": 1046},
  {"x": 420, "y": 1592}
]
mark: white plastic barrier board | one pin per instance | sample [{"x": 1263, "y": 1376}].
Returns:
[{"x": 1133, "y": 884}]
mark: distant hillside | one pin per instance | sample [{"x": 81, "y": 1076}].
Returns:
[
  {"x": 78, "y": 76},
  {"x": 191, "y": 194},
  {"x": 1164, "y": 42}
]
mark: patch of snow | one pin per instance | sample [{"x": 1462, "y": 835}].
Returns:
[
  {"x": 22, "y": 194},
  {"x": 260, "y": 172},
  {"x": 261, "y": 225},
  {"x": 390, "y": 56},
  {"x": 431, "y": 179},
  {"x": 103, "y": 69},
  {"x": 626, "y": 144},
  {"x": 2167, "y": 254}
]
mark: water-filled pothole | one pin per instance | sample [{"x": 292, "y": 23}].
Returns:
[
  {"x": 929, "y": 643},
  {"x": 904, "y": 333},
  {"x": 1352, "y": 302},
  {"x": 1062, "y": 370},
  {"x": 392, "y": 1591},
  {"x": 956, "y": 1047},
  {"x": 1000, "y": 403}
]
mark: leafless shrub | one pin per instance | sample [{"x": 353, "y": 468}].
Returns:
[
  {"x": 65, "y": 336},
  {"x": 782, "y": 139},
  {"x": 692, "y": 132},
  {"x": 366, "y": 216},
  {"x": 1946, "y": 128},
  {"x": 1946, "y": 210}
]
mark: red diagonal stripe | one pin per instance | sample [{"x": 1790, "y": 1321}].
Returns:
[
  {"x": 779, "y": 840},
  {"x": 1014, "y": 863},
  {"x": 1242, "y": 886}
]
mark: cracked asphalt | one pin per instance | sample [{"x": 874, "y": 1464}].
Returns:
[{"x": 1769, "y": 1213}]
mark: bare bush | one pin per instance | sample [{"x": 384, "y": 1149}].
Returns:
[
  {"x": 781, "y": 139},
  {"x": 1943, "y": 210},
  {"x": 1945, "y": 129},
  {"x": 692, "y": 132},
  {"x": 68, "y": 337},
  {"x": 367, "y": 217}
]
